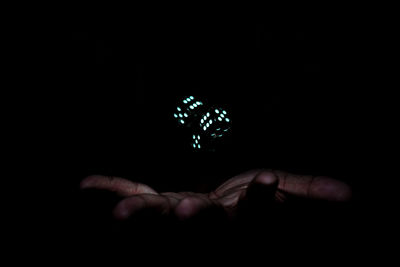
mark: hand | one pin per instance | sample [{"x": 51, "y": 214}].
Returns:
[{"x": 258, "y": 187}]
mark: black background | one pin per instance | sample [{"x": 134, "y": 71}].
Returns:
[
  {"x": 296, "y": 86},
  {"x": 293, "y": 85}
]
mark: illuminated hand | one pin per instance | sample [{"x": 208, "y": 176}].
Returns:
[{"x": 261, "y": 187}]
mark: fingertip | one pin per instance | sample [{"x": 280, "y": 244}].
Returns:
[
  {"x": 120, "y": 214},
  {"x": 186, "y": 208},
  {"x": 332, "y": 190},
  {"x": 263, "y": 187},
  {"x": 121, "y": 211},
  {"x": 88, "y": 181},
  {"x": 343, "y": 192},
  {"x": 266, "y": 178}
]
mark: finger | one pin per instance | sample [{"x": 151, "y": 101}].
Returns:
[
  {"x": 178, "y": 196},
  {"x": 262, "y": 188},
  {"x": 132, "y": 206},
  {"x": 118, "y": 185},
  {"x": 314, "y": 187},
  {"x": 238, "y": 180},
  {"x": 190, "y": 207}
]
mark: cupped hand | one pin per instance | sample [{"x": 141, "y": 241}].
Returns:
[{"x": 256, "y": 187}]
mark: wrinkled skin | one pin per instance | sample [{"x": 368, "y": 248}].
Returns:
[{"x": 263, "y": 186}]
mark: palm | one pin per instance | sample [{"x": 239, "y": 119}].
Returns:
[{"x": 226, "y": 198}]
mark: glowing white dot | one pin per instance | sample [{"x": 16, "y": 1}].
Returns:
[
  {"x": 224, "y": 112},
  {"x": 184, "y": 101},
  {"x": 198, "y": 146},
  {"x": 194, "y": 137},
  {"x": 208, "y": 114},
  {"x": 191, "y": 107},
  {"x": 227, "y": 119},
  {"x": 202, "y": 121},
  {"x": 198, "y": 137},
  {"x": 196, "y": 141},
  {"x": 194, "y": 145},
  {"x": 176, "y": 116},
  {"x": 178, "y": 108},
  {"x": 184, "y": 114},
  {"x": 217, "y": 111},
  {"x": 222, "y": 115},
  {"x": 207, "y": 125},
  {"x": 180, "y": 115},
  {"x": 188, "y": 99},
  {"x": 198, "y": 103},
  {"x": 205, "y": 117},
  {"x": 192, "y": 97},
  {"x": 182, "y": 121},
  {"x": 210, "y": 122},
  {"x": 195, "y": 105},
  {"x": 219, "y": 118},
  {"x": 204, "y": 128}
]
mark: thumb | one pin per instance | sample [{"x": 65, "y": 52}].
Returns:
[
  {"x": 262, "y": 189},
  {"x": 258, "y": 200}
]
